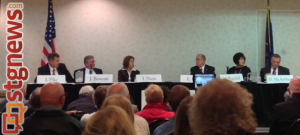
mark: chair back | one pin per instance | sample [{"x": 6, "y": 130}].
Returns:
[
  {"x": 295, "y": 128},
  {"x": 155, "y": 124}
]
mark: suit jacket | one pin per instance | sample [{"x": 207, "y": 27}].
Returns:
[
  {"x": 281, "y": 71},
  {"x": 97, "y": 71},
  {"x": 123, "y": 75},
  {"x": 207, "y": 70},
  {"x": 84, "y": 104},
  {"x": 57, "y": 122},
  {"x": 61, "y": 69},
  {"x": 284, "y": 115}
]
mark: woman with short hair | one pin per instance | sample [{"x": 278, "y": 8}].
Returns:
[{"x": 239, "y": 59}]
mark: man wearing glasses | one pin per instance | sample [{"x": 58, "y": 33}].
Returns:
[{"x": 89, "y": 63}]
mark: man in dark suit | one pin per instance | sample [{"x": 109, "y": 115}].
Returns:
[
  {"x": 89, "y": 63},
  {"x": 53, "y": 67},
  {"x": 286, "y": 113},
  {"x": 201, "y": 67},
  {"x": 275, "y": 69}
]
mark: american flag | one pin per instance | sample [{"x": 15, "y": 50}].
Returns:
[{"x": 49, "y": 35}]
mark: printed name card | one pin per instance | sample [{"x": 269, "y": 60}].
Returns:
[
  {"x": 43, "y": 79},
  {"x": 102, "y": 78},
  {"x": 279, "y": 78},
  {"x": 186, "y": 78},
  {"x": 148, "y": 78},
  {"x": 232, "y": 77}
]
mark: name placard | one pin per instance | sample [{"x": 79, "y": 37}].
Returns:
[
  {"x": 149, "y": 78},
  {"x": 279, "y": 78},
  {"x": 186, "y": 78},
  {"x": 102, "y": 78},
  {"x": 43, "y": 79},
  {"x": 232, "y": 77}
]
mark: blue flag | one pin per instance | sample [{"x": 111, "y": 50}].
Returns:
[{"x": 269, "y": 41}]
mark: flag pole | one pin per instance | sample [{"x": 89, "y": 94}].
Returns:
[{"x": 268, "y": 3}]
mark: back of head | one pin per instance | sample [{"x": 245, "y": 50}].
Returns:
[
  {"x": 111, "y": 120},
  {"x": 165, "y": 90},
  {"x": 34, "y": 99},
  {"x": 117, "y": 88},
  {"x": 120, "y": 101},
  {"x": 182, "y": 125},
  {"x": 222, "y": 107},
  {"x": 176, "y": 94},
  {"x": 52, "y": 94},
  {"x": 154, "y": 94},
  {"x": 99, "y": 95},
  {"x": 294, "y": 86},
  {"x": 86, "y": 91}
]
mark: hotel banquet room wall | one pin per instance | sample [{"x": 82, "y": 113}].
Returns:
[{"x": 163, "y": 35}]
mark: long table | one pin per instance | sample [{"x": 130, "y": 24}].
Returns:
[{"x": 264, "y": 95}]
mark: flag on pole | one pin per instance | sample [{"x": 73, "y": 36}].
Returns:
[
  {"x": 49, "y": 35},
  {"x": 269, "y": 41}
]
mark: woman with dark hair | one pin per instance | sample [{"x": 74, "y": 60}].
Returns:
[
  {"x": 182, "y": 124},
  {"x": 166, "y": 90},
  {"x": 239, "y": 59},
  {"x": 127, "y": 73}
]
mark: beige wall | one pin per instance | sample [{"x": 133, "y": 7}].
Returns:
[{"x": 163, "y": 35}]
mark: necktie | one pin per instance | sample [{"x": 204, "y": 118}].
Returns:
[
  {"x": 91, "y": 72},
  {"x": 274, "y": 71},
  {"x": 53, "y": 73},
  {"x": 201, "y": 71}
]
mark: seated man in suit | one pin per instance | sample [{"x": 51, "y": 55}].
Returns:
[
  {"x": 286, "y": 113},
  {"x": 275, "y": 69},
  {"x": 201, "y": 67},
  {"x": 89, "y": 63},
  {"x": 53, "y": 67}
]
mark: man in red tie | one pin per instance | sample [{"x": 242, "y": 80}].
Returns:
[
  {"x": 53, "y": 67},
  {"x": 275, "y": 68},
  {"x": 201, "y": 67}
]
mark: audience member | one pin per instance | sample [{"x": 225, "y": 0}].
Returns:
[
  {"x": 34, "y": 102},
  {"x": 50, "y": 117},
  {"x": 120, "y": 88},
  {"x": 166, "y": 90},
  {"x": 175, "y": 96},
  {"x": 112, "y": 120},
  {"x": 286, "y": 113},
  {"x": 99, "y": 97},
  {"x": 222, "y": 107},
  {"x": 182, "y": 124},
  {"x": 85, "y": 102},
  {"x": 140, "y": 124},
  {"x": 155, "y": 108}
]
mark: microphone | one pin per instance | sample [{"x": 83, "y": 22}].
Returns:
[
  {"x": 91, "y": 69},
  {"x": 248, "y": 76}
]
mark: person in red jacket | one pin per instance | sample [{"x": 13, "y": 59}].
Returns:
[{"x": 155, "y": 109}]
